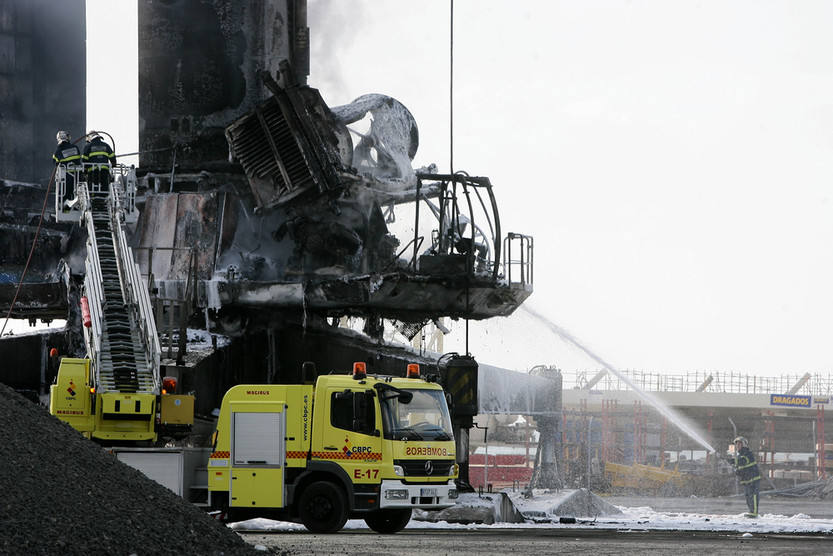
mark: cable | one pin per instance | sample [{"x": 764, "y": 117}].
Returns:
[
  {"x": 120, "y": 155},
  {"x": 451, "y": 92},
  {"x": 31, "y": 251},
  {"x": 451, "y": 130}
]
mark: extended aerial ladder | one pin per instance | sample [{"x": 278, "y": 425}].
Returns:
[{"x": 126, "y": 400}]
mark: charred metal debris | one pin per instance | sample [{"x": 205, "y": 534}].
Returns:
[
  {"x": 314, "y": 210},
  {"x": 320, "y": 230}
]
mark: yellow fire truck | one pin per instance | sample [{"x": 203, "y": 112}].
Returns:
[{"x": 360, "y": 446}]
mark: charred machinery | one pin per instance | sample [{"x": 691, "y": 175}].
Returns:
[
  {"x": 271, "y": 220},
  {"x": 313, "y": 232},
  {"x": 268, "y": 212}
]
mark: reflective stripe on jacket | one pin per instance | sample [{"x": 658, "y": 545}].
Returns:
[
  {"x": 99, "y": 152},
  {"x": 746, "y": 467},
  {"x": 66, "y": 153}
]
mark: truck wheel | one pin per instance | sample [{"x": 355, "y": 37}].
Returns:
[
  {"x": 323, "y": 508},
  {"x": 388, "y": 521}
]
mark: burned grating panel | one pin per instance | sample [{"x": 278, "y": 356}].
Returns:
[
  {"x": 265, "y": 146},
  {"x": 409, "y": 329},
  {"x": 286, "y": 145}
]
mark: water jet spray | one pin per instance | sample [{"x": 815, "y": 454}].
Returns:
[{"x": 660, "y": 406}]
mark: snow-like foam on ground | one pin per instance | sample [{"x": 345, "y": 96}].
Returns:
[
  {"x": 202, "y": 340},
  {"x": 644, "y": 518},
  {"x": 632, "y": 519}
]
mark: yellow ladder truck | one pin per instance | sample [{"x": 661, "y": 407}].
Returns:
[
  {"x": 115, "y": 395},
  {"x": 360, "y": 446}
]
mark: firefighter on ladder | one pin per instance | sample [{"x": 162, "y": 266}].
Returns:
[
  {"x": 98, "y": 157},
  {"x": 69, "y": 156},
  {"x": 746, "y": 468}
]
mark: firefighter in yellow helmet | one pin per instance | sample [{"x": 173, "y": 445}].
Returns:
[{"x": 746, "y": 468}]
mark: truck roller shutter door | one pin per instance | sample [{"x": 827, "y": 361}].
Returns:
[{"x": 258, "y": 439}]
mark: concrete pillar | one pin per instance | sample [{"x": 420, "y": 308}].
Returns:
[
  {"x": 198, "y": 64},
  {"x": 43, "y": 76},
  {"x": 547, "y": 473}
]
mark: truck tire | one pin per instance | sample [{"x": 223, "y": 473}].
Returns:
[
  {"x": 388, "y": 521},
  {"x": 323, "y": 507}
]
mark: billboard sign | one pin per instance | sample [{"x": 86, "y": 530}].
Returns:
[{"x": 790, "y": 401}]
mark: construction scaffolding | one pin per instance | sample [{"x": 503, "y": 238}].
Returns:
[{"x": 818, "y": 384}]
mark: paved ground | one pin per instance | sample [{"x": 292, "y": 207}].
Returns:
[
  {"x": 500, "y": 542},
  {"x": 509, "y": 540}
]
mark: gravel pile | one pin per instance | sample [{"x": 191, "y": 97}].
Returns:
[{"x": 62, "y": 494}]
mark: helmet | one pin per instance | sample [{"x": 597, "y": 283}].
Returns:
[
  {"x": 742, "y": 440},
  {"x": 62, "y": 136},
  {"x": 93, "y": 135}
]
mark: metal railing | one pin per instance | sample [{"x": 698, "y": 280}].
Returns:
[
  {"x": 468, "y": 223},
  {"x": 64, "y": 174},
  {"x": 819, "y": 384},
  {"x": 136, "y": 291},
  {"x": 92, "y": 288},
  {"x": 124, "y": 179},
  {"x": 125, "y": 186},
  {"x": 521, "y": 263}
]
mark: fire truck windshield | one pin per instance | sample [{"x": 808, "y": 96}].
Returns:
[{"x": 424, "y": 417}]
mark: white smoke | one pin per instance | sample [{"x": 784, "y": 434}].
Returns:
[{"x": 329, "y": 38}]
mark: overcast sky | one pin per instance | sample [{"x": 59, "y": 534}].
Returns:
[{"x": 671, "y": 159}]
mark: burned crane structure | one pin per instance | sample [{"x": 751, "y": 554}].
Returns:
[
  {"x": 313, "y": 234},
  {"x": 299, "y": 222},
  {"x": 269, "y": 218}
]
